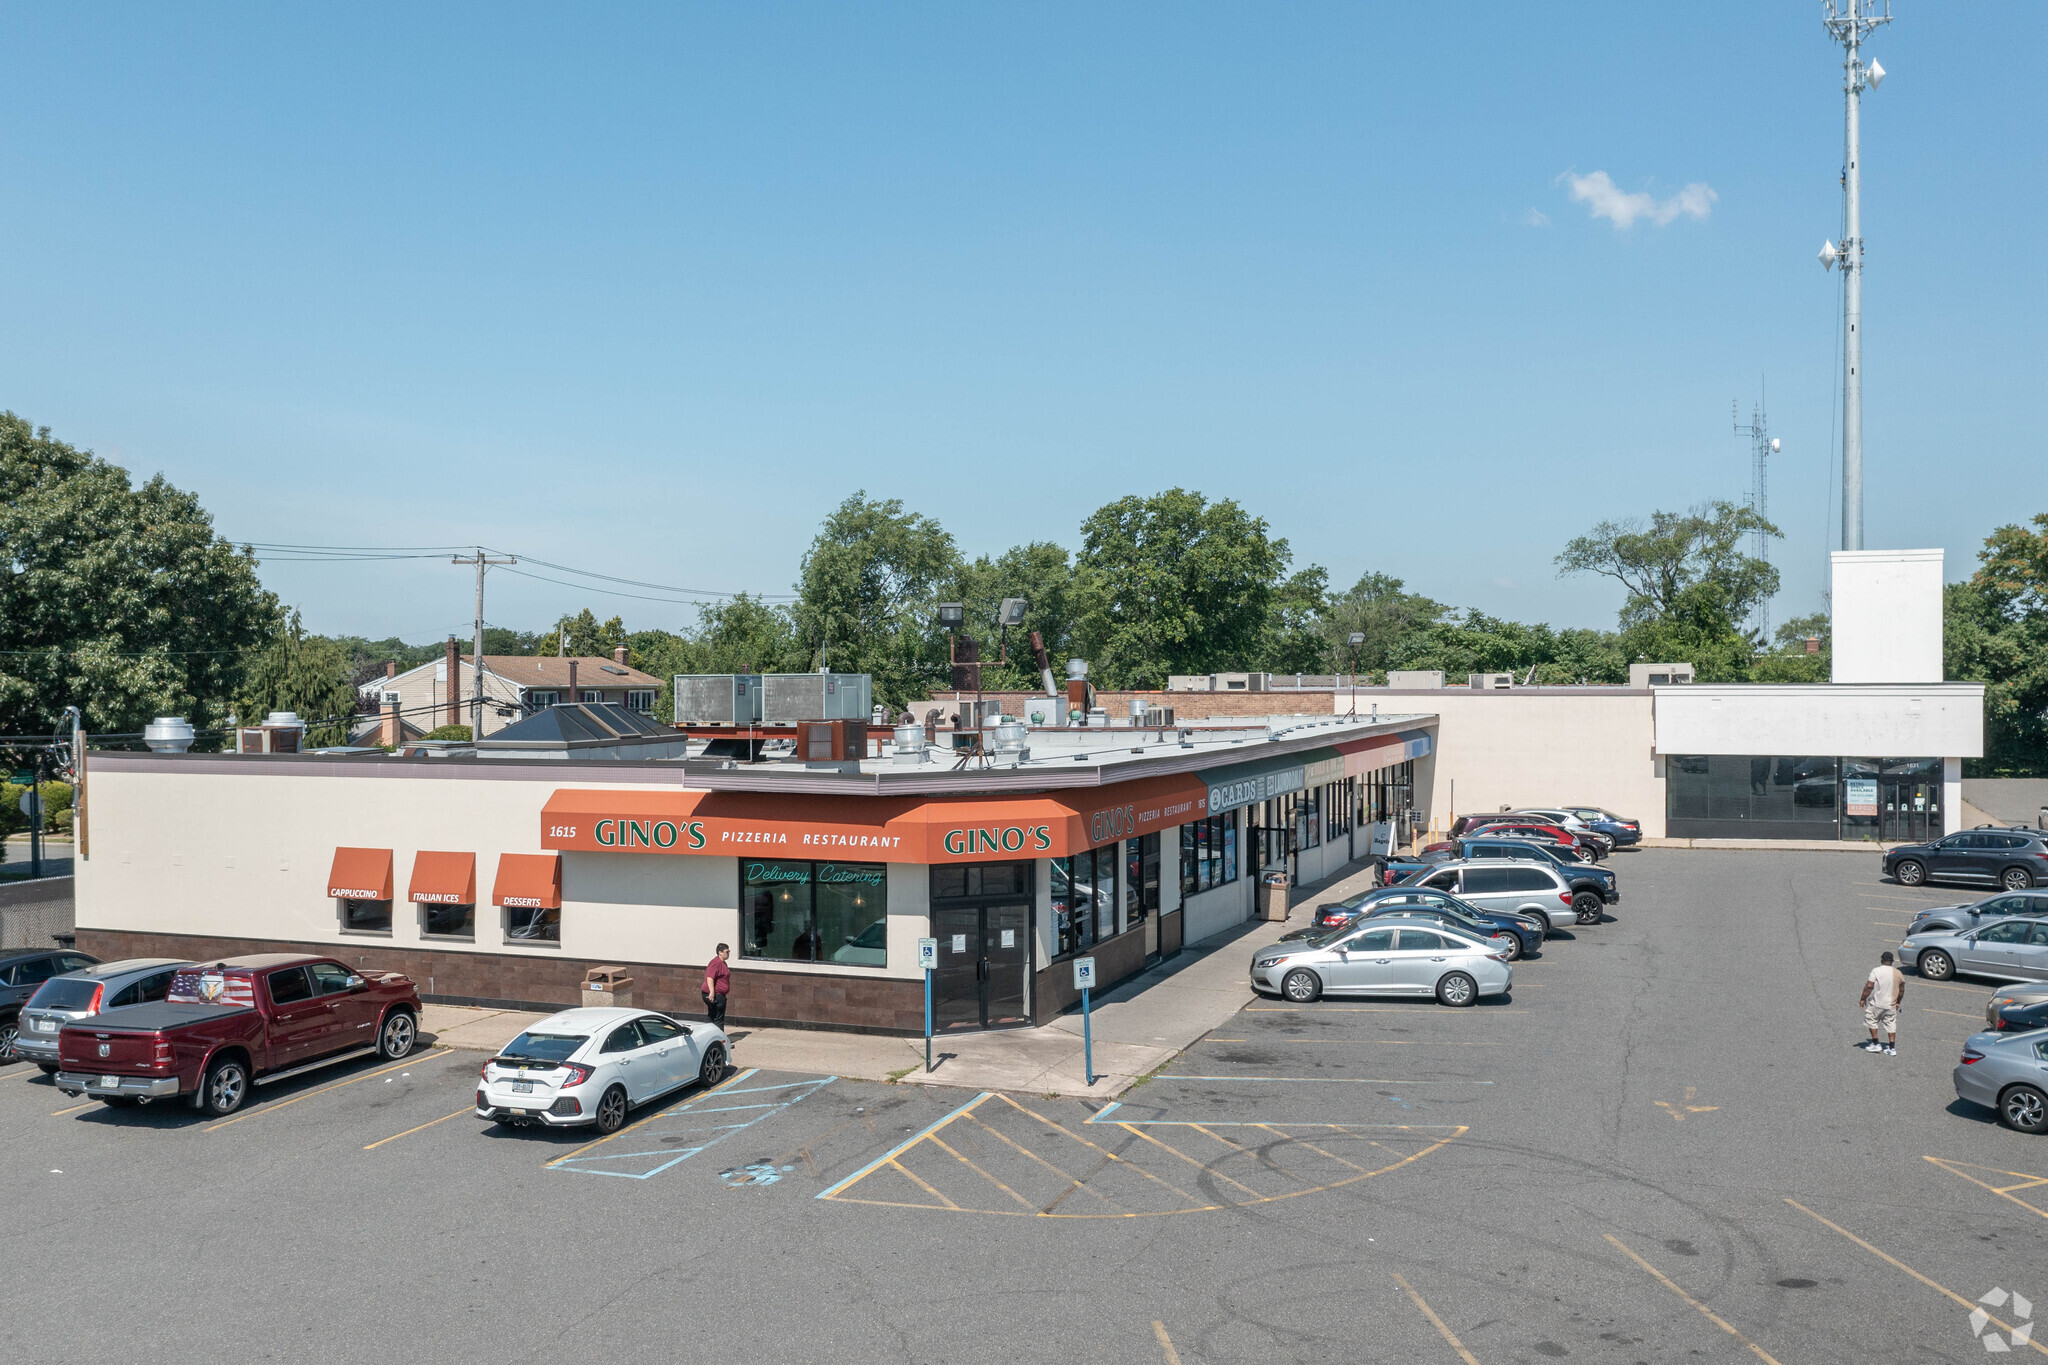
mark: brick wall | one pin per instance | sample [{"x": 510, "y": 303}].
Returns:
[
  {"x": 525, "y": 982},
  {"x": 1186, "y": 705},
  {"x": 1115, "y": 960}
]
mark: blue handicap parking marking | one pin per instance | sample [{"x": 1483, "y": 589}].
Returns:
[{"x": 675, "y": 1135}]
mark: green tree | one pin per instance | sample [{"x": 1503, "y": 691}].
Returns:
[
  {"x": 1380, "y": 608},
  {"x": 581, "y": 634},
  {"x": 866, "y": 594},
  {"x": 1174, "y": 584},
  {"x": 1298, "y": 626},
  {"x": 1690, "y": 586},
  {"x": 1995, "y": 631},
  {"x": 303, "y": 673},
  {"x": 1789, "y": 662},
  {"x": 1043, "y": 575},
  {"x": 116, "y": 599}
]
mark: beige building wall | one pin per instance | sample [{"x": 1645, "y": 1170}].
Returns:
[
  {"x": 246, "y": 855},
  {"x": 1534, "y": 746}
]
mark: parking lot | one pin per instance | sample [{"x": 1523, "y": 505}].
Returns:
[{"x": 1664, "y": 1145}]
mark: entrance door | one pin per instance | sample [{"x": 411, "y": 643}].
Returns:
[{"x": 984, "y": 974}]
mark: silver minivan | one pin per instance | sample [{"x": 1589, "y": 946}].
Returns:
[
  {"x": 1517, "y": 887},
  {"x": 81, "y": 994}
]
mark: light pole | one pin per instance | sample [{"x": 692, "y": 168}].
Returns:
[
  {"x": 1848, "y": 22},
  {"x": 1354, "y": 640}
]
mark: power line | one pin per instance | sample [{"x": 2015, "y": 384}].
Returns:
[{"x": 342, "y": 554}]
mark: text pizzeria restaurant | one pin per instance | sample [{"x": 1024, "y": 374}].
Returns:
[{"x": 503, "y": 880}]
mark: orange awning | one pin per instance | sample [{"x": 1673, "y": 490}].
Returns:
[
  {"x": 360, "y": 874},
  {"x": 444, "y": 878},
  {"x": 868, "y": 829},
  {"x": 529, "y": 880}
]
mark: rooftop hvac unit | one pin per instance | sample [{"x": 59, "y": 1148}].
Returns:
[
  {"x": 1500, "y": 682},
  {"x": 787, "y": 698},
  {"x": 718, "y": 699},
  {"x": 1157, "y": 717}
]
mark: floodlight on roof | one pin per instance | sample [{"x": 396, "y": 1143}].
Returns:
[
  {"x": 952, "y": 615},
  {"x": 1011, "y": 613}
]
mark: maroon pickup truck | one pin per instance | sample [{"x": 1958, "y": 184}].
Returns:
[{"x": 227, "y": 1023}]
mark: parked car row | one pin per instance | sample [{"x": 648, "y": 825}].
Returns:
[
  {"x": 147, "y": 1029},
  {"x": 1450, "y": 923}
]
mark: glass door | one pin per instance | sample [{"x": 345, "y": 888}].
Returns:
[
  {"x": 1006, "y": 979},
  {"x": 956, "y": 984},
  {"x": 982, "y": 918}
]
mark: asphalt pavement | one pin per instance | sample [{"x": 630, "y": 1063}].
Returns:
[{"x": 1663, "y": 1146}]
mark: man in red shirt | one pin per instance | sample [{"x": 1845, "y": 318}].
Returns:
[{"x": 717, "y": 984}]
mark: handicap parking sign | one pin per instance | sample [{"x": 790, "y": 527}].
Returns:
[
  {"x": 927, "y": 954},
  {"x": 1084, "y": 973}
]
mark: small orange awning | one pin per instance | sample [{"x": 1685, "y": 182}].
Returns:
[
  {"x": 444, "y": 878},
  {"x": 360, "y": 874},
  {"x": 529, "y": 880}
]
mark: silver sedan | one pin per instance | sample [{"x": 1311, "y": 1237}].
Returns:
[
  {"x": 2014, "y": 949},
  {"x": 2008, "y": 1074},
  {"x": 1384, "y": 957}
]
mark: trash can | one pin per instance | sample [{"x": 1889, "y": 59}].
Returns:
[
  {"x": 604, "y": 986},
  {"x": 1273, "y": 896}
]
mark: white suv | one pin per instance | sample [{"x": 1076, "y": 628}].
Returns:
[{"x": 591, "y": 1066}]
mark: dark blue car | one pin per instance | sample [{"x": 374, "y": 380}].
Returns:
[{"x": 1410, "y": 900}]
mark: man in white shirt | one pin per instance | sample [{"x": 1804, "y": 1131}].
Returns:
[{"x": 1882, "y": 994}]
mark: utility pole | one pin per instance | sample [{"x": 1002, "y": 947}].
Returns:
[
  {"x": 1762, "y": 445},
  {"x": 476, "y": 702},
  {"x": 1848, "y": 22}
]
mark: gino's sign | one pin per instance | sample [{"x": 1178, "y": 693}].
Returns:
[
  {"x": 997, "y": 839},
  {"x": 648, "y": 833}
]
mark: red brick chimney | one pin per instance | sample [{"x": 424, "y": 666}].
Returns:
[
  {"x": 454, "y": 684},
  {"x": 619, "y": 656},
  {"x": 572, "y": 698}
]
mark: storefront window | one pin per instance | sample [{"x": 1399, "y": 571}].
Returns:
[
  {"x": 366, "y": 917},
  {"x": 815, "y": 912},
  {"x": 1141, "y": 878},
  {"x": 1105, "y": 893},
  {"x": 1753, "y": 796},
  {"x": 1208, "y": 853},
  {"x": 1073, "y": 903},
  {"x": 530, "y": 924},
  {"x": 448, "y": 921}
]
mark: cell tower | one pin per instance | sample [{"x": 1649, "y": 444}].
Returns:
[
  {"x": 1762, "y": 445},
  {"x": 1849, "y": 22}
]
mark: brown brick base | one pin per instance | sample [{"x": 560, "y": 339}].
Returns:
[
  {"x": 1116, "y": 960},
  {"x": 507, "y": 981}
]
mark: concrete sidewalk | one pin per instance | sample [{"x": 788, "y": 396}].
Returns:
[{"x": 1138, "y": 1027}]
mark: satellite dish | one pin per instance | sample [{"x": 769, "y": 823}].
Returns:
[
  {"x": 1828, "y": 255},
  {"x": 1876, "y": 75},
  {"x": 1776, "y": 445}
]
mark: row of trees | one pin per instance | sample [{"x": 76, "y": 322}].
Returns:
[{"x": 123, "y": 601}]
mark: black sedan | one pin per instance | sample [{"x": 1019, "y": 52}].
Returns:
[{"x": 2020, "y": 1018}]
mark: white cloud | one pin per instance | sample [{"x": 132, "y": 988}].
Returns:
[
  {"x": 1536, "y": 218},
  {"x": 1604, "y": 199}
]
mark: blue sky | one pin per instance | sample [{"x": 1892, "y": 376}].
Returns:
[{"x": 648, "y": 290}]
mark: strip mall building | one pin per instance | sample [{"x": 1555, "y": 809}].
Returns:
[{"x": 501, "y": 880}]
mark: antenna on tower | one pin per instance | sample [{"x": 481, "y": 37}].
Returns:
[
  {"x": 1849, "y": 22},
  {"x": 1762, "y": 445}
]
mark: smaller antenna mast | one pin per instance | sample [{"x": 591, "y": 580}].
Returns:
[{"x": 1762, "y": 445}]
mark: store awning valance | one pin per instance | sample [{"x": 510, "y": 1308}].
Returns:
[
  {"x": 1383, "y": 751},
  {"x": 867, "y": 829},
  {"x": 444, "y": 878},
  {"x": 360, "y": 874},
  {"x": 528, "y": 881}
]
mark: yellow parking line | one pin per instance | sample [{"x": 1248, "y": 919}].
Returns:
[
  {"x": 1929, "y": 1009},
  {"x": 1944, "y": 986},
  {"x": 466, "y": 1109},
  {"x": 353, "y": 1080},
  {"x": 655, "y": 1114},
  {"x": 1165, "y": 1342},
  {"x": 60, "y": 1113},
  {"x": 1430, "y": 1313},
  {"x": 2026, "y": 1181},
  {"x": 1901, "y": 1265},
  {"x": 1708, "y": 1313}
]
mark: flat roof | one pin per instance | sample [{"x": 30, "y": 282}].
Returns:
[{"x": 1059, "y": 759}]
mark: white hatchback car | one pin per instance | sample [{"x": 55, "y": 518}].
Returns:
[{"x": 591, "y": 1066}]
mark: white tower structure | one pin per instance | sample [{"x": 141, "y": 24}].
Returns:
[{"x": 1848, "y": 22}]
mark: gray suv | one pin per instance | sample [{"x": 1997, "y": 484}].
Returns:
[
  {"x": 81, "y": 994},
  {"x": 1516, "y": 887}
]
